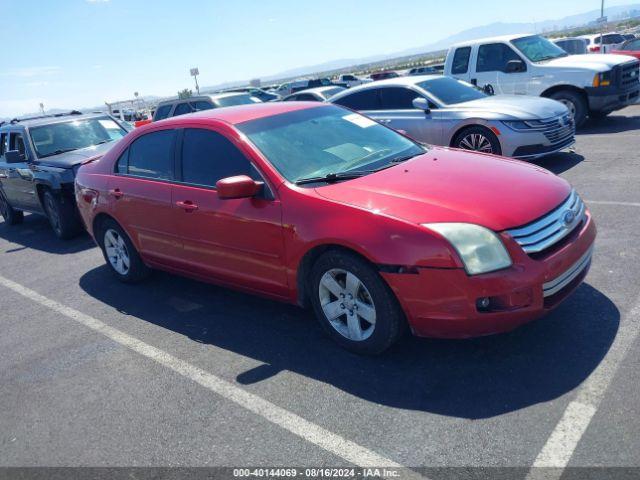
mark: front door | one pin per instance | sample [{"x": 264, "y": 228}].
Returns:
[
  {"x": 18, "y": 178},
  {"x": 237, "y": 241},
  {"x": 491, "y": 70}
]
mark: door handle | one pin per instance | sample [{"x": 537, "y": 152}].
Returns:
[
  {"x": 187, "y": 205},
  {"x": 116, "y": 192}
]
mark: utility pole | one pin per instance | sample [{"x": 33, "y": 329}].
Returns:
[
  {"x": 601, "y": 25},
  {"x": 194, "y": 73}
]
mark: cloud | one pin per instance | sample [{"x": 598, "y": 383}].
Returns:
[{"x": 29, "y": 72}]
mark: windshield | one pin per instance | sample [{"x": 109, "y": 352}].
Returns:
[
  {"x": 450, "y": 91},
  {"x": 63, "y": 137},
  {"x": 232, "y": 100},
  {"x": 325, "y": 140},
  {"x": 538, "y": 49}
]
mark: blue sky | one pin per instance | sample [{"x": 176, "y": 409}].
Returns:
[{"x": 79, "y": 53}]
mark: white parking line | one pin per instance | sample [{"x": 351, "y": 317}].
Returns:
[
  {"x": 576, "y": 418},
  {"x": 331, "y": 442},
  {"x": 607, "y": 202}
]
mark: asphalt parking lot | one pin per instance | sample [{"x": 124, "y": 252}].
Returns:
[{"x": 174, "y": 372}]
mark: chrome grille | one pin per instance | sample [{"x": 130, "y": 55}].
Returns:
[
  {"x": 553, "y": 227},
  {"x": 558, "y": 129},
  {"x": 630, "y": 74}
]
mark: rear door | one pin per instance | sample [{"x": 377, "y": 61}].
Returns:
[
  {"x": 238, "y": 241},
  {"x": 140, "y": 195}
]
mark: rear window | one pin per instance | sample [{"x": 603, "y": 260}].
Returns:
[
  {"x": 363, "y": 100},
  {"x": 461, "y": 60},
  {"x": 162, "y": 112}
]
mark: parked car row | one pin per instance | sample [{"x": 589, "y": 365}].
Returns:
[{"x": 338, "y": 198}]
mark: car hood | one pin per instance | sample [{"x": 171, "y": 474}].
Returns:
[
  {"x": 450, "y": 185},
  {"x": 597, "y": 62},
  {"x": 69, "y": 159},
  {"x": 520, "y": 107}
]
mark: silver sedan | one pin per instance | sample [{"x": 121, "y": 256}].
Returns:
[{"x": 445, "y": 111}]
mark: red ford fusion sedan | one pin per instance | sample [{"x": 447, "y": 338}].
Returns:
[{"x": 317, "y": 205}]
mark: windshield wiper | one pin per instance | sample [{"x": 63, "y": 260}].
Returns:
[
  {"x": 58, "y": 152},
  {"x": 404, "y": 158},
  {"x": 334, "y": 177}
]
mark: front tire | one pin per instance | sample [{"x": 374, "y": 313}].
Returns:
[
  {"x": 11, "y": 215},
  {"x": 62, "y": 215},
  {"x": 121, "y": 256},
  {"x": 575, "y": 103},
  {"x": 353, "y": 303},
  {"x": 478, "y": 139}
]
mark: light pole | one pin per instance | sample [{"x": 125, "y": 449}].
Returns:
[
  {"x": 601, "y": 25},
  {"x": 194, "y": 73}
]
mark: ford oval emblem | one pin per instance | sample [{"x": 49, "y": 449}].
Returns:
[{"x": 568, "y": 217}]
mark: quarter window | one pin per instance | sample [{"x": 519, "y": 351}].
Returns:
[
  {"x": 461, "y": 60},
  {"x": 151, "y": 155},
  {"x": 494, "y": 57},
  {"x": 208, "y": 156},
  {"x": 363, "y": 100},
  {"x": 397, "y": 98}
]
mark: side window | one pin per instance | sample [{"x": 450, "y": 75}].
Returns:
[
  {"x": 151, "y": 155},
  {"x": 181, "y": 109},
  {"x": 364, "y": 100},
  {"x": 306, "y": 97},
  {"x": 122, "y": 165},
  {"x": 162, "y": 112},
  {"x": 292, "y": 98},
  {"x": 494, "y": 57},
  {"x": 460, "y": 62},
  {"x": 397, "y": 98},
  {"x": 208, "y": 156},
  {"x": 201, "y": 105},
  {"x": 632, "y": 45}
]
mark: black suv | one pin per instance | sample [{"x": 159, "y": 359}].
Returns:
[{"x": 39, "y": 158}]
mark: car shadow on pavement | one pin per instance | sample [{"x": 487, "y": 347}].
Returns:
[
  {"x": 476, "y": 378},
  {"x": 36, "y": 233},
  {"x": 612, "y": 123},
  {"x": 559, "y": 162}
]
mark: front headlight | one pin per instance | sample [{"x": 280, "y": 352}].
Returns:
[
  {"x": 602, "y": 79},
  {"x": 480, "y": 249}
]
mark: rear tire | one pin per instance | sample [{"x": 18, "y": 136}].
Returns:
[
  {"x": 121, "y": 256},
  {"x": 575, "y": 103},
  {"x": 62, "y": 215},
  {"x": 478, "y": 139},
  {"x": 354, "y": 305},
  {"x": 11, "y": 215}
]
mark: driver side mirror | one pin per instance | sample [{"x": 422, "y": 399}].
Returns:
[
  {"x": 514, "y": 66},
  {"x": 14, "y": 156},
  {"x": 421, "y": 104},
  {"x": 240, "y": 186}
]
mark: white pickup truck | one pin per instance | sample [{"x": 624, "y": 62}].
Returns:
[
  {"x": 589, "y": 85},
  {"x": 348, "y": 80}
]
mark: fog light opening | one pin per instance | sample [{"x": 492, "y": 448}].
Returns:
[{"x": 483, "y": 304}]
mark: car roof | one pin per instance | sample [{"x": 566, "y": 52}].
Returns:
[
  {"x": 400, "y": 81},
  {"x": 499, "y": 38},
  {"x": 241, "y": 113},
  {"x": 50, "y": 119},
  {"x": 196, "y": 98}
]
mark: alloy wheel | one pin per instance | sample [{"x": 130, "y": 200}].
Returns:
[
  {"x": 347, "y": 304},
  {"x": 117, "y": 252},
  {"x": 477, "y": 142}
]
